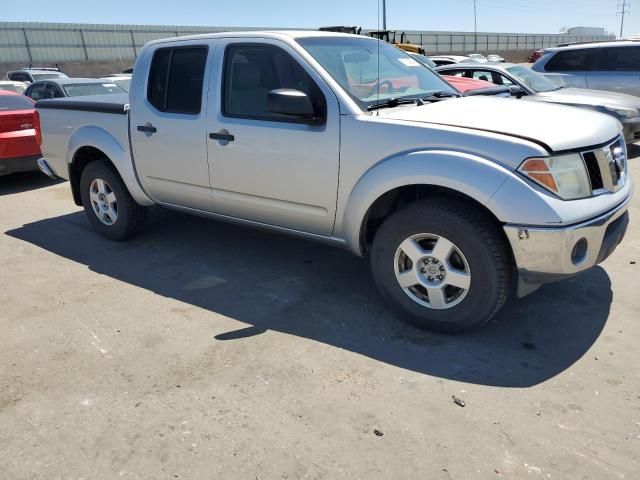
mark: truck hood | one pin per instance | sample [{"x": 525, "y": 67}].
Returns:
[
  {"x": 582, "y": 96},
  {"x": 557, "y": 127}
]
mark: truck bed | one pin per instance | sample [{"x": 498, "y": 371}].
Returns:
[{"x": 61, "y": 119}]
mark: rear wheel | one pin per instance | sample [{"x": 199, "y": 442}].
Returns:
[
  {"x": 112, "y": 211},
  {"x": 443, "y": 264}
]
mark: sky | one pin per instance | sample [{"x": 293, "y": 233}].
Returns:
[{"x": 519, "y": 16}]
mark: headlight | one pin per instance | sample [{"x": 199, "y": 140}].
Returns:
[
  {"x": 624, "y": 112},
  {"x": 564, "y": 175}
]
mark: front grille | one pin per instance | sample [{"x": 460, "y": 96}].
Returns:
[
  {"x": 595, "y": 176},
  {"x": 607, "y": 166}
]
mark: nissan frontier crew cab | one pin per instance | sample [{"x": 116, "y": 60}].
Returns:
[{"x": 459, "y": 203}]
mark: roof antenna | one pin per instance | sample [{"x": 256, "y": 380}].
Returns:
[{"x": 378, "y": 79}]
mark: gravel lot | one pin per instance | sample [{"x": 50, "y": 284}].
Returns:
[{"x": 201, "y": 350}]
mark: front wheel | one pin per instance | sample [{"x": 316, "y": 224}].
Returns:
[
  {"x": 112, "y": 211},
  {"x": 443, "y": 264}
]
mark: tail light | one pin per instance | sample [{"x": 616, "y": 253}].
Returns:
[{"x": 36, "y": 126}]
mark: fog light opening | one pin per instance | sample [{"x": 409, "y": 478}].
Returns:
[{"x": 579, "y": 252}]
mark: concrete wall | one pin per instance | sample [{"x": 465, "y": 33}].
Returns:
[{"x": 67, "y": 42}]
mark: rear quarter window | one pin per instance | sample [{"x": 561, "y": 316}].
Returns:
[
  {"x": 619, "y": 59},
  {"x": 571, "y": 60}
]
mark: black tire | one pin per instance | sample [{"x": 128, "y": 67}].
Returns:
[
  {"x": 131, "y": 217},
  {"x": 479, "y": 239}
]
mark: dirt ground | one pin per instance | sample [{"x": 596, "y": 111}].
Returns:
[{"x": 201, "y": 350}]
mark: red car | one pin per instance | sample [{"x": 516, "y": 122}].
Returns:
[
  {"x": 533, "y": 58},
  {"x": 471, "y": 86},
  {"x": 19, "y": 145}
]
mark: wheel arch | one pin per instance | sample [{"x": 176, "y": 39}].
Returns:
[
  {"x": 392, "y": 183},
  {"x": 399, "y": 197},
  {"x": 91, "y": 143}
]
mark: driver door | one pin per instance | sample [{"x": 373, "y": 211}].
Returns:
[{"x": 266, "y": 168}]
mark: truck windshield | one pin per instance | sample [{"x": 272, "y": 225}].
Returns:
[
  {"x": 535, "y": 81},
  {"x": 373, "y": 71},
  {"x": 83, "y": 89}
]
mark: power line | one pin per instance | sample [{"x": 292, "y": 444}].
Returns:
[{"x": 624, "y": 7}]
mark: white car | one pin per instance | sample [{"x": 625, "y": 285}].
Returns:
[
  {"x": 122, "y": 80},
  {"x": 478, "y": 57},
  {"x": 441, "y": 60},
  {"x": 10, "y": 85}
]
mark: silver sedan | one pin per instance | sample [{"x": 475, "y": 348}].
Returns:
[{"x": 526, "y": 84}]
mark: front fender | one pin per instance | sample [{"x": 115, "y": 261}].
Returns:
[
  {"x": 119, "y": 155},
  {"x": 476, "y": 177}
]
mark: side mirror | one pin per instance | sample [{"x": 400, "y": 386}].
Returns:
[
  {"x": 516, "y": 91},
  {"x": 291, "y": 103}
]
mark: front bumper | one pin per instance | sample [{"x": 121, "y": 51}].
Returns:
[
  {"x": 545, "y": 255},
  {"x": 18, "y": 164},
  {"x": 631, "y": 129}
]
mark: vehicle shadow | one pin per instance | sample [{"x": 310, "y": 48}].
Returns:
[
  {"x": 273, "y": 282},
  {"x": 633, "y": 151},
  {"x": 25, "y": 181}
]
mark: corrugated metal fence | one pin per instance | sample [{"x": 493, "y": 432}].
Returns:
[{"x": 66, "y": 42}]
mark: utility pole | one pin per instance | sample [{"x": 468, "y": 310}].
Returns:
[
  {"x": 384, "y": 14},
  {"x": 475, "y": 25},
  {"x": 624, "y": 7}
]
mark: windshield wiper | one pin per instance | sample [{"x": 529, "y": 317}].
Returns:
[
  {"x": 392, "y": 102},
  {"x": 437, "y": 96}
]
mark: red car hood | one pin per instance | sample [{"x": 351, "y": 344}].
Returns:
[{"x": 467, "y": 84}]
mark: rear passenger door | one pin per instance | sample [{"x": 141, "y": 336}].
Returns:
[
  {"x": 168, "y": 124},
  {"x": 617, "y": 70},
  {"x": 572, "y": 66}
]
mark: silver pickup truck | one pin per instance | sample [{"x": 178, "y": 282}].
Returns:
[{"x": 459, "y": 203}]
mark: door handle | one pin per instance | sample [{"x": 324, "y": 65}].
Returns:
[
  {"x": 222, "y": 136},
  {"x": 147, "y": 128}
]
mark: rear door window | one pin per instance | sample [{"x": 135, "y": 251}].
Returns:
[
  {"x": 571, "y": 60},
  {"x": 483, "y": 75},
  {"x": 38, "y": 92},
  {"x": 619, "y": 59},
  {"x": 53, "y": 91},
  {"x": 19, "y": 77},
  {"x": 176, "y": 79}
]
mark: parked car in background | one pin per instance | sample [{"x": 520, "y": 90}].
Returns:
[
  {"x": 467, "y": 86},
  {"x": 495, "y": 58},
  {"x": 423, "y": 59},
  {"x": 122, "y": 80},
  {"x": 527, "y": 84},
  {"x": 440, "y": 60},
  {"x": 478, "y": 57},
  {"x": 11, "y": 86},
  {"x": 458, "y": 203},
  {"x": 471, "y": 87},
  {"x": 19, "y": 148},
  {"x": 71, "y": 87},
  {"x": 535, "y": 55},
  {"x": 30, "y": 75},
  {"x": 611, "y": 66}
]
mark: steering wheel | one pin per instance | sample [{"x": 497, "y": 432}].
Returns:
[{"x": 379, "y": 85}]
